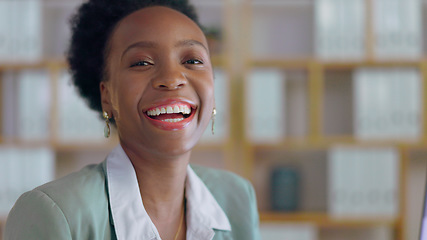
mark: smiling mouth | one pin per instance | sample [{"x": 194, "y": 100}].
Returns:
[{"x": 171, "y": 113}]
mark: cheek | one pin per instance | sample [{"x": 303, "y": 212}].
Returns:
[
  {"x": 127, "y": 96},
  {"x": 206, "y": 94}
]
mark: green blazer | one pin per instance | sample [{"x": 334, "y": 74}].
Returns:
[{"x": 77, "y": 207}]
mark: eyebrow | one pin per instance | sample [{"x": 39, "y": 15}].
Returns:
[
  {"x": 190, "y": 42},
  {"x": 141, "y": 44},
  {"x": 151, "y": 44}
]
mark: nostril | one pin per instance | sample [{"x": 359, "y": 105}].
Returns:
[{"x": 168, "y": 84}]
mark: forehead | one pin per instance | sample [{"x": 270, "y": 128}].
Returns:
[{"x": 156, "y": 24}]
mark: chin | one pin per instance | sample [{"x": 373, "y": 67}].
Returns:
[{"x": 174, "y": 145}]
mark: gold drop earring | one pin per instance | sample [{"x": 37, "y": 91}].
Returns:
[
  {"x": 213, "y": 120},
  {"x": 107, "y": 124}
]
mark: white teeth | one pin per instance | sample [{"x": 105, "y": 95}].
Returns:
[
  {"x": 170, "y": 109},
  {"x": 176, "y": 109},
  {"x": 173, "y": 120}
]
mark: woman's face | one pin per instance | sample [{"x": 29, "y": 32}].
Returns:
[{"x": 160, "y": 81}]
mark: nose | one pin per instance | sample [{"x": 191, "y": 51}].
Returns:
[{"x": 169, "y": 79}]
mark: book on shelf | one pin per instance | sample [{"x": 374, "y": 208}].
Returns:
[
  {"x": 9, "y": 104},
  {"x": 4, "y": 29},
  {"x": 363, "y": 182},
  {"x": 21, "y": 30},
  {"x": 33, "y": 104},
  {"x": 222, "y": 99},
  {"x": 340, "y": 29},
  {"x": 22, "y": 170},
  {"x": 388, "y": 103},
  {"x": 280, "y": 231},
  {"x": 398, "y": 29},
  {"x": 76, "y": 122},
  {"x": 56, "y": 26},
  {"x": 265, "y": 105}
]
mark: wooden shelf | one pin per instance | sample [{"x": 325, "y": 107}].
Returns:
[
  {"x": 276, "y": 3},
  {"x": 326, "y": 221},
  {"x": 343, "y": 65},
  {"x": 44, "y": 64},
  {"x": 325, "y": 142},
  {"x": 7, "y": 141},
  {"x": 64, "y": 146},
  {"x": 304, "y": 63},
  {"x": 205, "y": 146},
  {"x": 218, "y": 60}
]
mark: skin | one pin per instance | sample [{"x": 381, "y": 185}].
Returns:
[{"x": 156, "y": 54}]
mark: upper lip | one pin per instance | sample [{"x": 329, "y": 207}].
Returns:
[{"x": 170, "y": 101}]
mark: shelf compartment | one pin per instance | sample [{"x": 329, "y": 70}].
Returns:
[
  {"x": 351, "y": 95},
  {"x": 71, "y": 161},
  {"x": 276, "y": 104},
  {"x": 26, "y": 96},
  {"x": 338, "y": 103},
  {"x": 209, "y": 158},
  {"x": 311, "y": 168},
  {"x": 290, "y": 24},
  {"x": 211, "y": 17},
  {"x": 315, "y": 191}
]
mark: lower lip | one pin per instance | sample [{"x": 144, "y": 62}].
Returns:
[{"x": 172, "y": 126}]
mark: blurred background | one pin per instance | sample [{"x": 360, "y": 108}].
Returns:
[{"x": 321, "y": 105}]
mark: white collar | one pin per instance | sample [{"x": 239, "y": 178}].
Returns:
[{"x": 130, "y": 219}]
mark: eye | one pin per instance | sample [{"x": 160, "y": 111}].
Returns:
[
  {"x": 193, "y": 61},
  {"x": 141, "y": 63}
]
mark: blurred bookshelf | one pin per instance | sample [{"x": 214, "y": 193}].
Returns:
[
  {"x": 295, "y": 82},
  {"x": 322, "y": 50}
]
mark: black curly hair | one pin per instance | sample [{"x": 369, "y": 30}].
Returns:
[{"x": 92, "y": 27}]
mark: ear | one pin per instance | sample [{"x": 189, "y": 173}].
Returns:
[{"x": 105, "y": 97}]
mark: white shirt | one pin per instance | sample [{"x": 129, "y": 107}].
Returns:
[{"x": 130, "y": 218}]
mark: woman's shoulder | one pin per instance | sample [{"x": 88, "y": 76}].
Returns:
[
  {"x": 72, "y": 205},
  {"x": 83, "y": 188},
  {"x": 86, "y": 182}
]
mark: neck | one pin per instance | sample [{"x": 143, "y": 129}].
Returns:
[{"x": 161, "y": 183}]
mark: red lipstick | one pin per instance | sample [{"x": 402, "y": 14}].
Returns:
[{"x": 171, "y": 115}]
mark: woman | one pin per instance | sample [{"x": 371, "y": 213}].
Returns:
[{"x": 145, "y": 66}]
